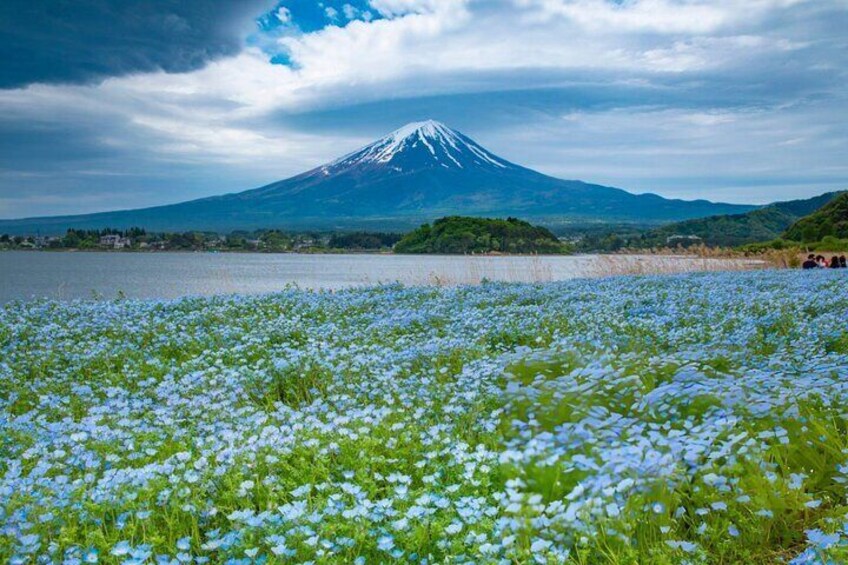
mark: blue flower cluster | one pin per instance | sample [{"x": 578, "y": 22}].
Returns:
[{"x": 694, "y": 418}]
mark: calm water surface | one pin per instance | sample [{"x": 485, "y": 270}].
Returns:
[{"x": 33, "y": 274}]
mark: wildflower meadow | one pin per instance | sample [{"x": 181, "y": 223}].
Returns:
[{"x": 698, "y": 418}]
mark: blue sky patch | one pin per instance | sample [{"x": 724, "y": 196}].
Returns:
[
  {"x": 293, "y": 17},
  {"x": 308, "y": 17}
]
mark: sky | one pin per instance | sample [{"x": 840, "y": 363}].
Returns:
[{"x": 111, "y": 104}]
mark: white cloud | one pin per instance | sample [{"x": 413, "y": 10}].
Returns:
[
  {"x": 657, "y": 16},
  {"x": 641, "y": 15},
  {"x": 397, "y": 8},
  {"x": 743, "y": 155},
  {"x": 350, "y": 12},
  {"x": 283, "y": 15}
]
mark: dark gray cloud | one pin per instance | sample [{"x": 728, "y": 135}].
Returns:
[
  {"x": 79, "y": 162},
  {"x": 80, "y": 41}
]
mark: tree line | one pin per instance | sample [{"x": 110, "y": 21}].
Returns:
[{"x": 138, "y": 239}]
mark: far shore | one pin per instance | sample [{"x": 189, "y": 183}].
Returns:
[
  {"x": 628, "y": 252},
  {"x": 705, "y": 252}
]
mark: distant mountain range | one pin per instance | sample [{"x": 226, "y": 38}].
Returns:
[
  {"x": 763, "y": 224},
  {"x": 418, "y": 173}
]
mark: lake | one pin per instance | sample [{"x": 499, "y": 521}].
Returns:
[{"x": 69, "y": 275}]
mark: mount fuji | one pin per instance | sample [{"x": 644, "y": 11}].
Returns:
[{"x": 417, "y": 173}]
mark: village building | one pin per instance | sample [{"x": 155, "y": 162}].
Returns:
[{"x": 115, "y": 241}]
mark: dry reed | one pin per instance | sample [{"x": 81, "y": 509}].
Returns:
[{"x": 539, "y": 269}]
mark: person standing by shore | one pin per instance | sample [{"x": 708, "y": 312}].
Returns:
[{"x": 810, "y": 263}]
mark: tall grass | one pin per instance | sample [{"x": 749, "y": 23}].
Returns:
[{"x": 541, "y": 269}]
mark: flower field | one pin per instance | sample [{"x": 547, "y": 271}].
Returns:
[{"x": 697, "y": 418}]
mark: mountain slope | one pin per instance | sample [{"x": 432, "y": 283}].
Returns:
[
  {"x": 419, "y": 172},
  {"x": 728, "y": 230},
  {"x": 830, "y": 220}
]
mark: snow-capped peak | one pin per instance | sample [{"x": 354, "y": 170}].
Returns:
[
  {"x": 423, "y": 144},
  {"x": 427, "y": 128}
]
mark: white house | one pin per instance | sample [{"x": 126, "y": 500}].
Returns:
[{"x": 114, "y": 241}]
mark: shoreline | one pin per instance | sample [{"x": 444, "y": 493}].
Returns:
[
  {"x": 717, "y": 254},
  {"x": 317, "y": 252}
]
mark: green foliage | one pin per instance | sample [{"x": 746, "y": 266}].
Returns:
[
  {"x": 606, "y": 237},
  {"x": 828, "y": 243},
  {"x": 363, "y": 240},
  {"x": 829, "y": 221},
  {"x": 778, "y": 243},
  {"x": 292, "y": 384},
  {"x": 271, "y": 240},
  {"x": 730, "y": 230},
  {"x": 460, "y": 235}
]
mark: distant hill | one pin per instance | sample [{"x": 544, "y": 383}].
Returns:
[
  {"x": 420, "y": 172},
  {"x": 831, "y": 220},
  {"x": 460, "y": 235},
  {"x": 731, "y": 230}
]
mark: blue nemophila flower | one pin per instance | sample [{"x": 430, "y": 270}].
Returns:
[
  {"x": 686, "y": 546},
  {"x": 29, "y": 543},
  {"x": 121, "y": 548},
  {"x": 540, "y": 546},
  {"x": 453, "y": 528},
  {"x": 822, "y": 540},
  {"x": 281, "y": 550},
  {"x": 385, "y": 543}
]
